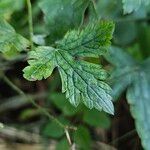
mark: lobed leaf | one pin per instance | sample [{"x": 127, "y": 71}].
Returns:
[
  {"x": 79, "y": 84},
  {"x": 134, "y": 77},
  {"x": 138, "y": 96}
]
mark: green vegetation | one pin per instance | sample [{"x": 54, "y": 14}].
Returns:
[{"x": 87, "y": 59}]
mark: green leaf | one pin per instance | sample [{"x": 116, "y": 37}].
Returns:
[
  {"x": 94, "y": 40},
  {"x": 63, "y": 145},
  {"x": 135, "y": 77},
  {"x": 81, "y": 81},
  {"x": 61, "y": 15},
  {"x": 10, "y": 41},
  {"x": 133, "y": 5},
  {"x": 96, "y": 119},
  {"x": 123, "y": 72},
  {"x": 78, "y": 82},
  {"x": 82, "y": 138},
  {"x": 138, "y": 96},
  {"x": 52, "y": 129}
]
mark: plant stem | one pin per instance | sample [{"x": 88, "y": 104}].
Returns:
[
  {"x": 68, "y": 137},
  {"x": 43, "y": 110},
  {"x": 30, "y": 21},
  {"x": 124, "y": 137}
]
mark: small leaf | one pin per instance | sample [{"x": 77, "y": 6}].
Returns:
[
  {"x": 52, "y": 129},
  {"x": 63, "y": 145},
  {"x": 82, "y": 138}
]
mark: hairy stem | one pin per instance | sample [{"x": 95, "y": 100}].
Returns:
[{"x": 30, "y": 21}]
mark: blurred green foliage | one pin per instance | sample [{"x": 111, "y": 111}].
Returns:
[{"x": 129, "y": 65}]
